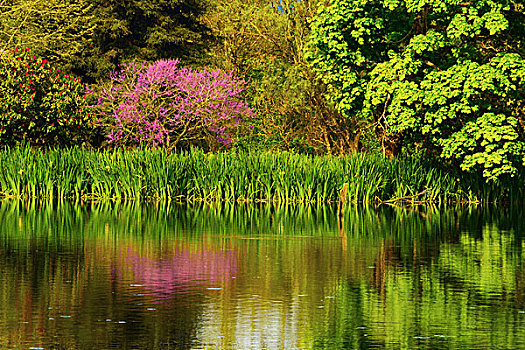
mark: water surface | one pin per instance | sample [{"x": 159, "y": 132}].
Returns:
[{"x": 130, "y": 276}]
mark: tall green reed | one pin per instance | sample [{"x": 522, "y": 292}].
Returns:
[{"x": 77, "y": 173}]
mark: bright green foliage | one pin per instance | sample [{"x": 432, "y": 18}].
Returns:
[
  {"x": 447, "y": 75},
  {"x": 40, "y": 104}
]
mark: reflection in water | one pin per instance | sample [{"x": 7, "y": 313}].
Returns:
[
  {"x": 171, "y": 273},
  {"x": 259, "y": 277}
]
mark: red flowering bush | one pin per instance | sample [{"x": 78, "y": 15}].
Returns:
[{"x": 39, "y": 103}]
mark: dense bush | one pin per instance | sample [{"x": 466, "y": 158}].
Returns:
[
  {"x": 40, "y": 104},
  {"x": 163, "y": 105}
]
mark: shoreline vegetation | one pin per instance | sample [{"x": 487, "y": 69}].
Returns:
[
  {"x": 345, "y": 101},
  {"x": 190, "y": 176}
]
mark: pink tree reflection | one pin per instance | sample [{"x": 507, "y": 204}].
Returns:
[{"x": 174, "y": 271}]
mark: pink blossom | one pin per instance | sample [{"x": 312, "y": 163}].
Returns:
[{"x": 163, "y": 104}]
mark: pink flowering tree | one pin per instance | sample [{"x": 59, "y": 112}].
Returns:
[{"x": 164, "y": 105}]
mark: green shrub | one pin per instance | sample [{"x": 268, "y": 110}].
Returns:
[{"x": 40, "y": 104}]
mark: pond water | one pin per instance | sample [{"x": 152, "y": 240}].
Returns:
[{"x": 130, "y": 276}]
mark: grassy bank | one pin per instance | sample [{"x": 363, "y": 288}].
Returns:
[{"x": 283, "y": 177}]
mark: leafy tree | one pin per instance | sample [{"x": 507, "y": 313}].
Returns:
[
  {"x": 57, "y": 29},
  {"x": 141, "y": 30},
  {"x": 448, "y": 75},
  {"x": 92, "y": 37},
  {"x": 263, "y": 41}
]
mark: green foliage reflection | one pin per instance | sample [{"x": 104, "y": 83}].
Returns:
[{"x": 232, "y": 275}]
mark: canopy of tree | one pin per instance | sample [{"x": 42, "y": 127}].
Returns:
[
  {"x": 447, "y": 75},
  {"x": 91, "y": 37}
]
